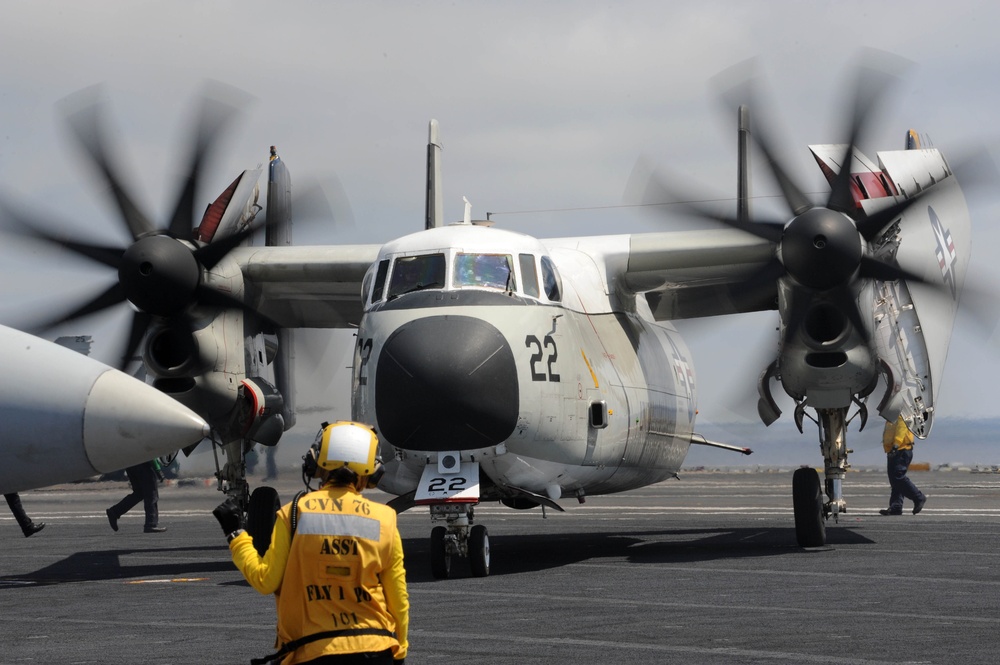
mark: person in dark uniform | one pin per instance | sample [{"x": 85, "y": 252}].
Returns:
[
  {"x": 144, "y": 481},
  {"x": 27, "y": 526},
  {"x": 272, "y": 466}
]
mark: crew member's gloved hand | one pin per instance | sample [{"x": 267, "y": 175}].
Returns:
[{"x": 230, "y": 515}]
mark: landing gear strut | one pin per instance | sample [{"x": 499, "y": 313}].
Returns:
[
  {"x": 833, "y": 442},
  {"x": 459, "y": 538},
  {"x": 810, "y": 509},
  {"x": 232, "y": 474}
]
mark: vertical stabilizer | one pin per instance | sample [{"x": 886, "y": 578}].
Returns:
[
  {"x": 279, "y": 234},
  {"x": 435, "y": 204},
  {"x": 743, "y": 166},
  {"x": 279, "y": 203}
]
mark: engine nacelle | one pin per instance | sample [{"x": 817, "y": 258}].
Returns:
[
  {"x": 200, "y": 360},
  {"x": 824, "y": 358}
]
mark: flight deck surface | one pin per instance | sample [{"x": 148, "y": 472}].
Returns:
[{"x": 704, "y": 569}]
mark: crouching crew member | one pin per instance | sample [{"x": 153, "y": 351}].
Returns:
[{"x": 335, "y": 563}]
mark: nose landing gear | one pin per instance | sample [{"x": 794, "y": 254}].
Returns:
[{"x": 460, "y": 538}]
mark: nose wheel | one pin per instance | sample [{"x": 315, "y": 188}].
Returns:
[
  {"x": 460, "y": 538},
  {"x": 440, "y": 556},
  {"x": 479, "y": 551}
]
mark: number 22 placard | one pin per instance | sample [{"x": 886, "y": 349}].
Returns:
[{"x": 460, "y": 487}]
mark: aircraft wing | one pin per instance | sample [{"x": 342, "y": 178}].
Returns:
[
  {"x": 685, "y": 274},
  {"x": 682, "y": 274},
  {"x": 307, "y": 286}
]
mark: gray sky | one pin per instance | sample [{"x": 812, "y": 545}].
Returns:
[{"x": 542, "y": 105}]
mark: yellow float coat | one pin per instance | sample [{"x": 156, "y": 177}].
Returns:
[
  {"x": 343, "y": 570},
  {"x": 897, "y": 436}
]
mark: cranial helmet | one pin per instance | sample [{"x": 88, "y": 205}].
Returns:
[{"x": 349, "y": 444}]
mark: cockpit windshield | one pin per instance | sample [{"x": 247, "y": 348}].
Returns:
[
  {"x": 415, "y": 273},
  {"x": 494, "y": 271}
]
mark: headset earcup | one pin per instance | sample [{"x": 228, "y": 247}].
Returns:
[{"x": 310, "y": 468}]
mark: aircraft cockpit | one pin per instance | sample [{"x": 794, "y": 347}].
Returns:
[
  {"x": 491, "y": 271},
  {"x": 416, "y": 273},
  {"x": 523, "y": 274}
]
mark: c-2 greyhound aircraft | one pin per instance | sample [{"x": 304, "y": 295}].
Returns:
[{"x": 500, "y": 367}]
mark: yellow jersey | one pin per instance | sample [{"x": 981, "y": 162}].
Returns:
[
  {"x": 341, "y": 571},
  {"x": 897, "y": 436}
]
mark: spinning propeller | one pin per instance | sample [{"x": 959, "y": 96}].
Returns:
[
  {"x": 160, "y": 272},
  {"x": 820, "y": 250}
]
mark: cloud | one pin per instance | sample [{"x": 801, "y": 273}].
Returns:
[{"x": 542, "y": 105}]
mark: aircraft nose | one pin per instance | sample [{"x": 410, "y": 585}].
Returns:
[{"x": 446, "y": 383}]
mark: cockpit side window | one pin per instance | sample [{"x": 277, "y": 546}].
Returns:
[
  {"x": 529, "y": 276},
  {"x": 550, "y": 280},
  {"x": 415, "y": 273},
  {"x": 383, "y": 270},
  {"x": 495, "y": 271},
  {"x": 366, "y": 284}
]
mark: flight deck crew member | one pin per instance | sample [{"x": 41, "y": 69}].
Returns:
[
  {"x": 897, "y": 440},
  {"x": 28, "y": 527},
  {"x": 335, "y": 562},
  {"x": 144, "y": 481},
  {"x": 272, "y": 466}
]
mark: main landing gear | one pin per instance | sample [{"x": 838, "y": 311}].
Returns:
[
  {"x": 261, "y": 506},
  {"x": 811, "y": 511},
  {"x": 810, "y": 521},
  {"x": 460, "y": 538}
]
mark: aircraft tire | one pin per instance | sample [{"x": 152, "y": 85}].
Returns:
[
  {"x": 440, "y": 559},
  {"x": 807, "y": 500},
  {"x": 261, "y": 514},
  {"x": 479, "y": 551}
]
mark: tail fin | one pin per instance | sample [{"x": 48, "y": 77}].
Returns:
[
  {"x": 279, "y": 234},
  {"x": 435, "y": 204},
  {"x": 743, "y": 165}
]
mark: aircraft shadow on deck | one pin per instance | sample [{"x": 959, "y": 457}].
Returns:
[
  {"x": 511, "y": 555},
  {"x": 103, "y": 565}
]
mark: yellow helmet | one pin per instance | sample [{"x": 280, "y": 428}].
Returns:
[{"x": 349, "y": 444}]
